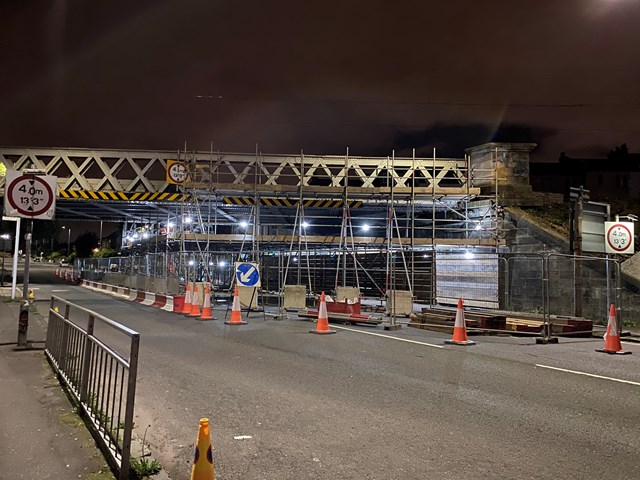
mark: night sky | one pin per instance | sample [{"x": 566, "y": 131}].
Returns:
[{"x": 321, "y": 76}]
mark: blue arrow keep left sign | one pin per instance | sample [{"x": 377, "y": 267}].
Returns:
[{"x": 247, "y": 274}]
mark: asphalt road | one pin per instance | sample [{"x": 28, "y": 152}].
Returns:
[{"x": 370, "y": 404}]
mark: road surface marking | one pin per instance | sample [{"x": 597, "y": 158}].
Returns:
[
  {"x": 59, "y": 290},
  {"x": 387, "y": 336},
  {"x": 242, "y": 437},
  {"x": 589, "y": 375}
]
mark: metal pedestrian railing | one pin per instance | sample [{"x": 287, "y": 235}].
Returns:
[{"x": 102, "y": 380}]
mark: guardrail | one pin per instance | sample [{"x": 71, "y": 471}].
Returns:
[{"x": 101, "y": 379}]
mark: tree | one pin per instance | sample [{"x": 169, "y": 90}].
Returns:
[
  {"x": 45, "y": 233},
  {"x": 85, "y": 244},
  {"x": 621, "y": 152},
  {"x": 105, "y": 253}
]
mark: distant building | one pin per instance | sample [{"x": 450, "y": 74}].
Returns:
[{"x": 614, "y": 177}]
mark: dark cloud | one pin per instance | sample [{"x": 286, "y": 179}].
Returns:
[
  {"x": 320, "y": 76},
  {"x": 451, "y": 140}
]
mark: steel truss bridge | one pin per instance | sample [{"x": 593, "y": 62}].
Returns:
[{"x": 429, "y": 196}]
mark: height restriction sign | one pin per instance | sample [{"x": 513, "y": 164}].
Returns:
[
  {"x": 619, "y": 237},
  {"x": 177, "y": 172},
  {"x": 29, "y": 195}
]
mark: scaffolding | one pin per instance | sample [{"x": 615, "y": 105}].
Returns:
[{"x": 374, "y": 223}]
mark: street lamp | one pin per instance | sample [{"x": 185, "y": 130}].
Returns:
[
  {"x": 5, "y": 237},
  {"x": 68, "y": 229}
]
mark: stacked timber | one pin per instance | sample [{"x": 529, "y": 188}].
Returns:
[
  {"x": 442, "y": 320},
  {"x": 570, "y": 326}
]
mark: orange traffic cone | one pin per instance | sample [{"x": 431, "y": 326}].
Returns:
[
  {"x": 612, "y": 343},
  {"x": 322, "y": 326},
  {"x": 195, "y": 302},
  {"x": 203, "y": 461},
  {"x": 460, "y": 329},
  {"x": 235, "y": 318},
  {"x": 186, "y": 309},
  {"x": 206, "y": 306}
]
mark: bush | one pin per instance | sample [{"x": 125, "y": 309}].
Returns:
[{"x": 105, "y": 253}]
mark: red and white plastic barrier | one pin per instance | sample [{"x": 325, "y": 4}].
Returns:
[
  {"x": 65, "y": 274},
  {"x": 163, "y": 302}
]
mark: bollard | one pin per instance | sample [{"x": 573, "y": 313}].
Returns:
[{"x": 23, "y": 324}]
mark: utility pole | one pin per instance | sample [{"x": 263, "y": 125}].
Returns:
[
  {"x": 579, "y": 195},
  {"x": 27, "y": 259},
  {"x": 23, "y": 319}
]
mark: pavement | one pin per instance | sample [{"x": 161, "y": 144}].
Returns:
[{"x": 41, "y": 436}]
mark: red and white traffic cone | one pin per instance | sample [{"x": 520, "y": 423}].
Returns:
[
  {"x": 322, "y": 326},
  {"x": 206, "y": 306},
  {"x": 612, "y": 343},
  {"x": 236, "y": 318},
  {"x": 195, "y": 302},
  {"x": 459, "y": 328},
  {"x": 186, "y": 308}
]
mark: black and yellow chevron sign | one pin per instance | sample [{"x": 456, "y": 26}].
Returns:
[
  {"x": 124, "y": 196},
  {"x": 285, "y": 202}
]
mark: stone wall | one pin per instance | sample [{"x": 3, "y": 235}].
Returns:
[
  {"x": 504, "y": 166},
  {"x": 524, "y": 235},
  {"x": 521, "y": 274}
]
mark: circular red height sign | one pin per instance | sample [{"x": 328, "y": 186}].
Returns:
[
  {"x": 177, "y": 172},
  {"x": 30, "y": 195},
  {"x": 619, "y": 237}
]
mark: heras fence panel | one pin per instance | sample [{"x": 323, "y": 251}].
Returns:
[
  {"x": 470, "y": 276},
  {"x": 582, "y": 286},
  {"x": 522, "y": 283}
]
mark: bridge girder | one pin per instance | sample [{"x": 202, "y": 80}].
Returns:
[{"x": 213, "y": 175}]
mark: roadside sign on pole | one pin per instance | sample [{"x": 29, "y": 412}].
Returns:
[
  {"x": 619, "y": 237},
  {"x": 594, "y": 215},
  {"x": 247, "y": 274},
  {"x": 29, "y": 195}
]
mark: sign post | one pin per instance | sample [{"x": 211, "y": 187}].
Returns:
[
  {"x": 29, "y": 194},
  {"x": 16, "y": 240},
  {"x": 587, "y": 235}
]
